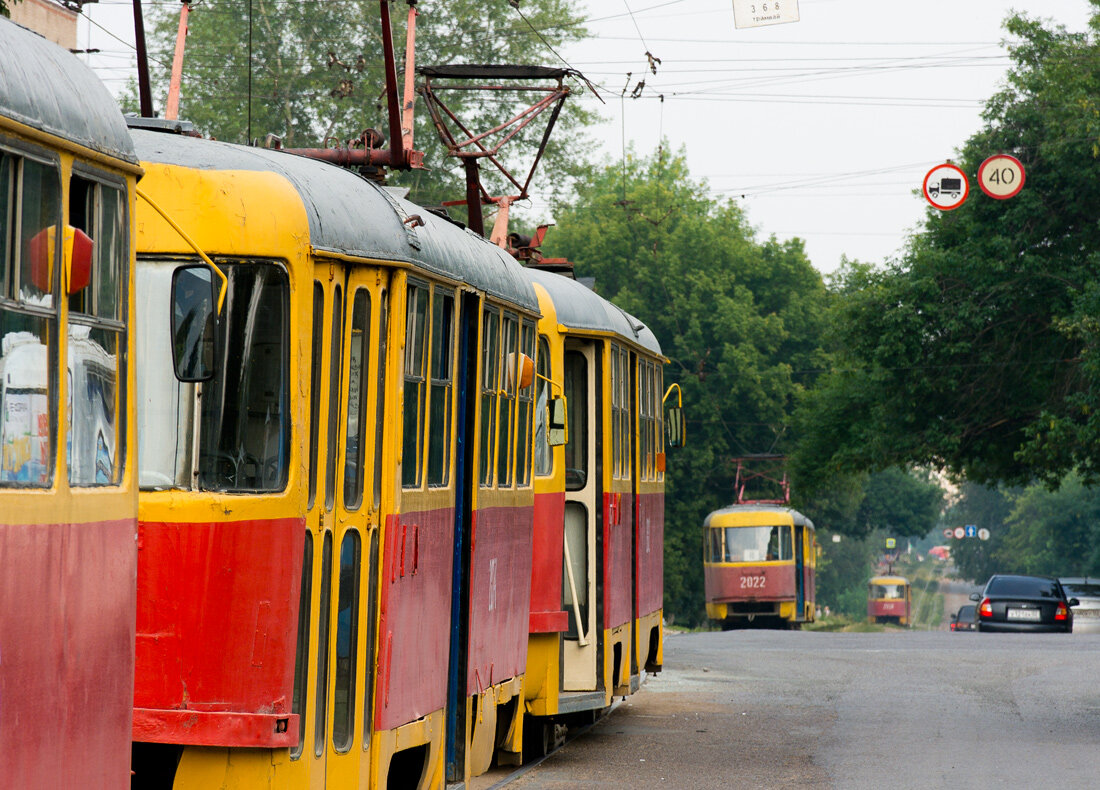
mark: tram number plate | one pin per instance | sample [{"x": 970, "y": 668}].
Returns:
[
  {"x": 1024, "y": 614},
  {"x": 752, "y": 582}
]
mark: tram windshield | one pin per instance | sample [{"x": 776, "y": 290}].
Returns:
[
  {"x": 243, "y": 439},
  {"x": 888, "y": 592},
  {"x": 749, "y": 544}
]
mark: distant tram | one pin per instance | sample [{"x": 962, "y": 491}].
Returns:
[
  {"x": 888, "y": 600},
  {"x": 759, "y": 562}
]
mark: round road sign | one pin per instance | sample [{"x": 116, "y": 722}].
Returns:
[
  {"x": 948, "y": 532},
  {"x": 946, "y": 187},
  {"x": 983, "y": 534},
  {"x": 960, "y": 533},
  {"x": 1001, "y": 176}
]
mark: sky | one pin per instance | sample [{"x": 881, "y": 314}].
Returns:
[{"x": 821, "y": 129}]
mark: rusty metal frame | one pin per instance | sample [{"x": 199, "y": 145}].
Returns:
[{"x": 470, "y": 147}]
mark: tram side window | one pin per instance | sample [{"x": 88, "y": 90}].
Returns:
[
  {"x": 490, "y": 386},
  {"x": 380, "y": 400},
  {"x": 30, "y": 214},
  {"x": 439, "y": 427},
  {"x": 356, "y": 427},
  {"x": 316, "y": 371},
  {"x": 507, "y": 403},
  {"x": 301, "y": 656},
  {"x": 616, "y": 407},
  {"x": 97, "y": 338},
  {"x": 525, "y": 402},
  {"x": 714, "y": 545},
  {"x": 321, "y": 712},
  {"x": 347, "y": 641},
  {"x": 544, "y": 458},
  {"x": 335, "y": 366},
  {"x": 627, "y": 440},
  {"x": 576, "y": 394},
  {"x": 245, "y": 437},
  {"x": 659, "y": 414},
  {"x": 415, "y": 390},
  {"x": 645, "y": 428}
]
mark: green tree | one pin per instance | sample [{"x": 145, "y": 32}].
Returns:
[
  {"x": 900, "y": 504},
  {"x": 977, "y": 351},
  {"x": 986, "y": 507},
  {"x": 738, "y": 318},
  {"x": 316, "y": 75}
]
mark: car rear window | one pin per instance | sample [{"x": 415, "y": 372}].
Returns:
[
  {"x": 966, "y": 613},
  {"x": 1019, "y": 585}
]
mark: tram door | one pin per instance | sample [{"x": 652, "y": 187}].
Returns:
[
  {"x": 334, "y": 683},
  {"x": 581, "y": 585}
]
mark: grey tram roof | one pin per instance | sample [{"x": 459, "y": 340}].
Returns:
[
  {"x": 349, "y": 215},
  {"x": 47, "y": 88},
  {"x": 578, "y": 307},
  {"x": 799, "y": 519}
]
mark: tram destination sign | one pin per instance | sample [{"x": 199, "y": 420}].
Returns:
[{"x": 758, "y": 13}]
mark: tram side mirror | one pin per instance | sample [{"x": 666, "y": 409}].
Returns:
[
  {"x": 674, "y": 427},
  {"x": 555, "y": 433},
  {"x": 194, "y": 323}
]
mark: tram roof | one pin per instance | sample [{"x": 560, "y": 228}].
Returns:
[
  {"x": 349, "y": 215},
  {"x": 744, "y": 515},
  {"x": 43, "y": 86},
  {"x": 579, "y": 307}
]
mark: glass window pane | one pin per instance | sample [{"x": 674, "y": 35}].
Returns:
[
  {"x": 93, "y": 406},
  {"x": 7, "y": 222},
  {"x": 356, "y": 435},
  {"x": 509, "y": 380},
  {"x": 39, "y": 225},
  {"x": 415, "y": 387},
  {"x": 28, "y": 416},
  {"x": 347, "y": 629},
  {"x": 321, "y": 690},
  {"x": 336, "y": 362},
  {"x": 316, "y": 370},
  {"x": 490, "y": 366},
  {"x": 543, "y": 456},
  {"x": 372, "y": 614},
  {"x": 525, "y": 397},
  {"x": 380, "y": 401},
  {"x": 165, "y": 406},
  {"x": 245, "y": 438},
  {"x": 439, "y": 430},
  {"x": 576, "y": 394},
  {"x": 301, "y": 655},
  {"x": 110, "y": 254}
]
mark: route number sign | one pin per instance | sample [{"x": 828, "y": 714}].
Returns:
[
  {"x": 1001, "y": 176},
  {"x": 946, "y": 187},
  {"x": 757, "y": 13}
]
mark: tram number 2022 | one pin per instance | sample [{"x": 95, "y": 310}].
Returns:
[{"x": 752, "y": 582}]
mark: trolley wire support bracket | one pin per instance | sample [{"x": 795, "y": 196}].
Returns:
[
  {"x": 770, "y": 473},
  {"x": 472, "y": 147}
]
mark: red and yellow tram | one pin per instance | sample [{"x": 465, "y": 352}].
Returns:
[
  {"x": 759, "y": 564},
  {"x": 889, "y": 599},
  {"x": 68, "y": 495},
  {"x": 336, "y": 529},
  {"x": 597, "y": 584}
]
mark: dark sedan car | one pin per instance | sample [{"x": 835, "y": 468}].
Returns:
[
  {"x": 966, "y": 619},
  {"x": 1024, "y": 603}
]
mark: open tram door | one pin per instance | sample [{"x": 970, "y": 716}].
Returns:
[{"x": 582, "y": 582}]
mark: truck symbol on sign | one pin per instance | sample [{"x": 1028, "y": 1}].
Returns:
[{"x": 950, "y": 187}]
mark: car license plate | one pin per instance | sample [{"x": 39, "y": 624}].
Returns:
[{"x": 1024, "y": 614}]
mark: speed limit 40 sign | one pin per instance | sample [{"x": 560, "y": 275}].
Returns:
[{"x": 1001, "y": 176}]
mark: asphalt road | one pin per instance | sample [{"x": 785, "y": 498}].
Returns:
[{"x": 899, "y": 709}]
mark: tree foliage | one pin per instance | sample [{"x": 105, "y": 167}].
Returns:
[
  {"x": 316, "y": 75},
  {"x": 739, "y": 320},
  {"x": 1032, "y": 530},
  {"x": 978, "y": 350}
]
